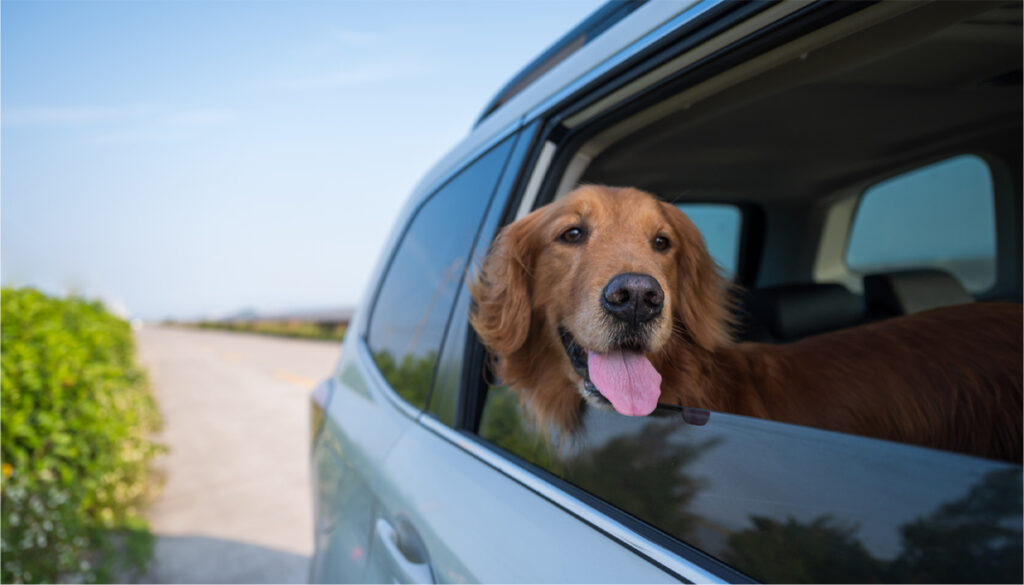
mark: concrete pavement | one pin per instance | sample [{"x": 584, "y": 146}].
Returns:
[{"x": 236, "y": 505}]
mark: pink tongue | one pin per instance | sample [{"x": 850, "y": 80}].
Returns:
[{"x": 626, "y": 379}]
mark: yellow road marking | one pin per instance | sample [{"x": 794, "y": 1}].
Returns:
[
  {"x": 233, "y": 357},
  {"x": 296, "y": 379}
]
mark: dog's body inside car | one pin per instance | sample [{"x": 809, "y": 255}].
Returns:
[
  {"x": 799, "y": 223},
  {"x": 624, "y": 284}
]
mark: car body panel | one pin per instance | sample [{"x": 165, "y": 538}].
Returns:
[
  {"x": 360, "y": 428},
  {"x": 482, "y": 526}
]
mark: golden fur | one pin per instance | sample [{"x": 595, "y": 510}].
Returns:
[{"x": 947, "y": 378}]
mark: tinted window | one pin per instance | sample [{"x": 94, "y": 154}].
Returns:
[
  {"x": 783, "y": 503},
  {"x": 411, "y": 313},
  {"x": 940, "y": 216},
  {"x": 720, "y": 226},
  {"x": 448, "y": 381}
]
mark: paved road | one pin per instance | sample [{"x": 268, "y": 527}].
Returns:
[{"x": 236, "y": 504}]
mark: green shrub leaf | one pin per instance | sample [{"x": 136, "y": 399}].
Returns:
[{"x": 75, "y": 420}]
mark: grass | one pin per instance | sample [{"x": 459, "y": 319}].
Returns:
[{"x": 295, "y": 329}]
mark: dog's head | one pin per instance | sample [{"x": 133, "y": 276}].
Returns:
[{"x": 579, "y": 297}]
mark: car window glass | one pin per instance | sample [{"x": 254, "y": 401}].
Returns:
[
  {"x": 412, "y": 307},
  {"x": 939, "y": 216},
  {"x": 783, "y": 503},
  {"x": 720, "y": 226},
  {"x": 449, "y": 379}
]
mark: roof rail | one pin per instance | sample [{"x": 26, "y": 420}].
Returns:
[{"x": 586, "y": 31}]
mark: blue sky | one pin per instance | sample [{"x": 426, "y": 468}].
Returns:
[{"x": 184, "y": 159}]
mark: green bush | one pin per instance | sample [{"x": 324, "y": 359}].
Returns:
[{"x": 76, "y": 415}]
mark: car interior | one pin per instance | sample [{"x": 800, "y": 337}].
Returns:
[{"x": 796, "y": 136}]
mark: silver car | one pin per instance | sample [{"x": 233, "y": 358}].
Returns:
[{"x": 846, "y": 162}]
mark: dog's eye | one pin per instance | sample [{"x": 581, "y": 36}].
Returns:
[
  {"x": 661, "y": 243},
  {"x": 573, "y": 235}
]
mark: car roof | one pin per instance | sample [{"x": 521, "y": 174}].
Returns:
[
  {"x": 586, "y": 31},
  {"x": 633, "y": 31}
]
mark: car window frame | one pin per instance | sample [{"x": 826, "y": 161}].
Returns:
[{"x": 456, "y": 348}]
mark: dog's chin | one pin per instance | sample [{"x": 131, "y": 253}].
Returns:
[{"x": 578, "y": 358}]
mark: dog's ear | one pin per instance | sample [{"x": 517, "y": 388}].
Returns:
[
  {"x": 702, "y": 296},
  {"x": 501, "y": 290}
]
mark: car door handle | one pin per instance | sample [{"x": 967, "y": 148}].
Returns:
[{"x": 405, "y": 551}]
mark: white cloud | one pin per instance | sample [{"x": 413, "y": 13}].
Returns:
[
  {"x": 135, "y": 135},
  {"x": 169, "y": 125},
  {"x": 69, "y": 115},
  {"x": 137, "y": 115}
]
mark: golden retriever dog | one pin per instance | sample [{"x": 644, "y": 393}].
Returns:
[{"x": 608, "y": 296}]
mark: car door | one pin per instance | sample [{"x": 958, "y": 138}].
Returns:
[{"x": 384, "y": 375}]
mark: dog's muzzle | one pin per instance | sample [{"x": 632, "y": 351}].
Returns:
[{"x": 633, "y": 299}]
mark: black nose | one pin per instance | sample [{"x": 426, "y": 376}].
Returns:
[{"x": 633, "y": 298}]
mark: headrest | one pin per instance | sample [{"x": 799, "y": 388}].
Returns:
[
  {"x": 793, "y": 311},
  {"x": 911, "y": 291}
]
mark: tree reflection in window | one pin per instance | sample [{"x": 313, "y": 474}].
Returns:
[
  {"x": 645, "y": 475},
  {"x": 663, "y": 472},
  {"x": 503, "y": 425},
  {"x": 410, "y": 378},
  {"x": 822, "y": 551},
  {"x": 974, "y": 539}
]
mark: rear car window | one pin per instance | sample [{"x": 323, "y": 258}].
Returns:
[
  {"x": 411, "y": 313},
  {"x": 720, "y": 225},
  {"x": 937, "y": 216}
]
